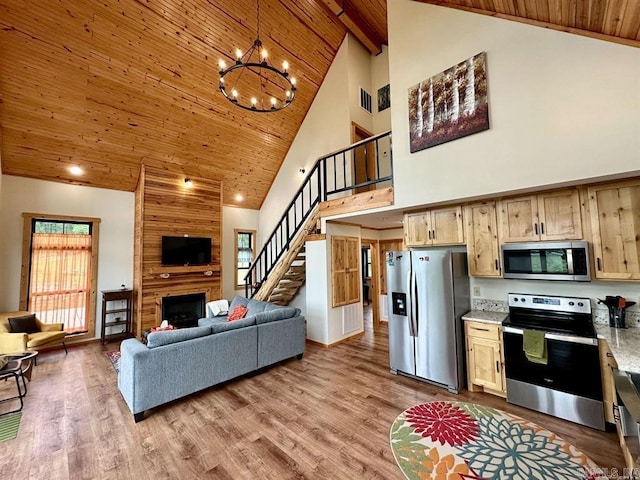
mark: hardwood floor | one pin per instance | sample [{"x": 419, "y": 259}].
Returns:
[{"x": 326, "y": 416}]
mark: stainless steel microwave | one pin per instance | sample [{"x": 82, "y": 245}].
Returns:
[{"x": 546, "y": 261}]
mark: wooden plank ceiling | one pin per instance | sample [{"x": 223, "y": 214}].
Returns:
[{"x": 109, "y": 85}]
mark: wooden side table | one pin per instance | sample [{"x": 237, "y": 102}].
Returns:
[{"x": 117, "y": 311}]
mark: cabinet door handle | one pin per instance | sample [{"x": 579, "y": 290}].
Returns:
[
  {"x": 480, "y": 329},
  {"x": 616, "y": 413},
  {"x": 542, "y": 228},
  {"x": 599, "y": 266},
  {"x": 497, "y": 366},
  {"x": 497, "y": 268},
  {"x": 429, "y": 234},
  {"x": 609, "y": 355},
  {"x": 434, "y": 234},
  {"x": 535, "y": 226}
]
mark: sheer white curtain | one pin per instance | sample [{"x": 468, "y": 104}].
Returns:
[{"x": 60, "y": 279}]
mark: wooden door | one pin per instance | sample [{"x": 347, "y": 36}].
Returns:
[
  {"x": 559, "y": 214},
  {"x": 518, "y": 219},
  {"x": 345, "y": 270},
  {"x": 395, "y": 245},
  {"x": 363, "y": 159},
  {"x": 484, "y": 363},
  {"x": 416, "y": 229},
  {"x": 615, "y": 224},
  {"x": 483, "y": 250},
  {"x": 446, "y": 226}
]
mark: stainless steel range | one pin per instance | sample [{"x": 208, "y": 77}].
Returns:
[{"x": 567, "y": 383}]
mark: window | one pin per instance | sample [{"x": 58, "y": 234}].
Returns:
[
  {"x": 59, "y": 271},
  {"x": 245, "y": 253}
]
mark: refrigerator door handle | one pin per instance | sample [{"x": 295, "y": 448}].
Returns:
[
  {"x": 410, "y": 295},
  {"x": 414, "y": 303}
]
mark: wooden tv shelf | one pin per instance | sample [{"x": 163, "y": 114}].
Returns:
[{"x": 166, "y": 272}]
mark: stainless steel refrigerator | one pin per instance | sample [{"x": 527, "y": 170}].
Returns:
[{"x": 428, "y": 292}]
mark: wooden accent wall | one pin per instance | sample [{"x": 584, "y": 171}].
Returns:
[{"x": 164, "y": 205}]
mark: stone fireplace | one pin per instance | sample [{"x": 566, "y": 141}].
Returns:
[{"x": 183, "y": 311}]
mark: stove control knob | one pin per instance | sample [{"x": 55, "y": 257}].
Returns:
[
  {"x": 515, "y": 299},
  {"x": 522, "y": 300},
  {"x": 580, "y": 304},
  {"x": 571, "y": 304}
]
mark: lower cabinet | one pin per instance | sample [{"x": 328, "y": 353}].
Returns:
[
  {"x": 611, "y": 405},
  {"x": 485, "y": 358}
]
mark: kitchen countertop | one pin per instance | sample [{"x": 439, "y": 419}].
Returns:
[
  {"x": 624, "y": 344},
  {"x": 484, "y": 316}
]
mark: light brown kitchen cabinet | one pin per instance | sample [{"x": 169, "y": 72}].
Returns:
[
  {"x": 543, "y": 217},
  {"x": 485, "y": 358},
  {"x": 442, "y": 226},
  {"x": 615, "y": 225},
  {"x": 483, "y": 250},
  {"x": 607, "y": 364},
  {"x": 345, "y": 270}
]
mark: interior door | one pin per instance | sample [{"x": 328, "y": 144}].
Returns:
[{"x": 364, "y": 159}]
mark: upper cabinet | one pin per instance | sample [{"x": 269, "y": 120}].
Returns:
[
  {"x": 615, "y": 224},
  {"x": 483, "y": 250},
  {"x": 442, "y": 226},
  {"x": 546, "y": 216}
]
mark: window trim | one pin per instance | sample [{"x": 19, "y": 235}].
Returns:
[
  {"x": 28, "y": 219},
  {"x": 236, "y": 231}
]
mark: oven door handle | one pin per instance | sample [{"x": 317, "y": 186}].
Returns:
[{"x": 555, "y": 336}]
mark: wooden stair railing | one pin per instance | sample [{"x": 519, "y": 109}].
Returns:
[
  {"x": 290, "y": 274},
  {"x": 278, "y": 271}
]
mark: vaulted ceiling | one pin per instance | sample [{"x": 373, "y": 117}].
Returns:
[{"x": 109, "y": 85}]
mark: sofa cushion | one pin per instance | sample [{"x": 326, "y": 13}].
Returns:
[
  {"x": 238, "y": 300},
  {"x": 256, "y": 306},
  {"x": 218, "y": 326},
  {"x": 276, "y": 314},
  {"x": 24, "y": 324},
  {"x": 39, "y": 339},
  {"x": 237, "y": 313},
  {"x": 158, "y": 339}
]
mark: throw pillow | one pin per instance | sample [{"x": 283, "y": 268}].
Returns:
[
  {"x": 237, "y": 313},
  {"x": 24, "y": 324}
]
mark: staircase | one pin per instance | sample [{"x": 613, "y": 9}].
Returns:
[{"x": 279, "y": 270}]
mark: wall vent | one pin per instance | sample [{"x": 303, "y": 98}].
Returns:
[
  {"x": 350, "y": 320},
  {"x": 365, "y": 100}
]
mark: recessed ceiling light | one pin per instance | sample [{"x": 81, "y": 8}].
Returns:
[
  {"x": 239, "y": 198},
  {"x": 75, "y": 170}
]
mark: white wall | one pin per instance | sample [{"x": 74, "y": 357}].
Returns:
[
  {"x": 325, "y": 128},
  {"x": 359, "y": 64},
  {"x": 563, "y": 108},
  {"x": 114, "y": 208},
  {"x": 380, "y": 78},
  {"x": 234, "y": 218}
]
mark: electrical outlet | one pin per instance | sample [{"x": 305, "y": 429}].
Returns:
[{"x": 476, "y": 291}]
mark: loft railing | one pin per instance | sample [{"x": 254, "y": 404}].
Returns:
[{"x": 363, "y": 166}]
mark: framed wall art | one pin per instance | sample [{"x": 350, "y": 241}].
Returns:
[{"x": 449, "y": 105}]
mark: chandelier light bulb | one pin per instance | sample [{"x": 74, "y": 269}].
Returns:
[
  {"x": 254, "y": 101},
  {"x": 285, "y": 65},
  {"x": 264, "y": 54},
  {"x": 234, "y": 94},
  {"x": 293, "y": 81},
  {"x": 288, "y": 93},
  {"x": 222, "y": 64},
  {"x": 238, "y": 53},
  {"x": 273, "y": 102}
]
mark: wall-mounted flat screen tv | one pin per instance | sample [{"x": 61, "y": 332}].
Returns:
[{"x": 186, "y": 251}]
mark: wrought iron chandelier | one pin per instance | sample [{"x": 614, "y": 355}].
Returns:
[{"x": 255, "y": 84}]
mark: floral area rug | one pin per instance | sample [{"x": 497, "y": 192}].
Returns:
[
  {"x": 115, "y": 359},
  {"x": 464, "y": 441}
]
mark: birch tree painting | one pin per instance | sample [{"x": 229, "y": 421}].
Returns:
[{"x": 449, "y": 105}]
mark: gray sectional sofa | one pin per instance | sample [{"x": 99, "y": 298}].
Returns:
[{"x": 176, "y": 363}]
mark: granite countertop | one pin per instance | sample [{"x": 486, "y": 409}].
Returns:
[
  {"x": 624, "y": 344},
  {"x": 485, "y": 316}
]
